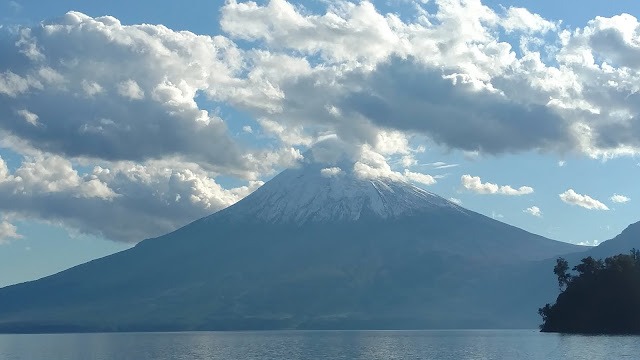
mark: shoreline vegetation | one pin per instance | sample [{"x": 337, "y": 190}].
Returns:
[{"x": 597, "y": 297}]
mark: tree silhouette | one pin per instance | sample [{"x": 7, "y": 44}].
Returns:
[
  {"x": 604, "y": 296},
  {"x": 561, "y": 268}
]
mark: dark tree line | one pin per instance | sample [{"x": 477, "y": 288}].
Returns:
[{"x": 598, "y": 297}]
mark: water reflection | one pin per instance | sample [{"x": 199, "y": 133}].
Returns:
[{"x": 283, "y": 345}]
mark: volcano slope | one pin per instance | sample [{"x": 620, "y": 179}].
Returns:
[{"x": 304, "y": 251}]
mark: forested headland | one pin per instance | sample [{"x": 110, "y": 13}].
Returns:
[{"x": 597, "y": 296}]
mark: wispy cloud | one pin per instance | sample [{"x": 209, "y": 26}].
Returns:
[{"x": 446, "y": 166}]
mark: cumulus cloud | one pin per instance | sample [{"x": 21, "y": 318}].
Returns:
[
  {"x": 307, "y": 73},
  {"x": 47, "y": 175},
  {"x": 130, "y": 89},
  {"x": 365, "y": 161},
  {"x": 403, "y": 77},
  {"x": 373, "y": 165},
  {"x": 572, "y": 198},
  {"x": 12, "y": 84},
  {"x": 280, "y": 24},
  {"x": 533, "y": 210},
  {"x": 8, "y": 232},
  {"x": 424, "y": 179},
  {"x": 523, "y": 20},
  {"x": 475, "y": 184},
  {"x": 408, "y": 160},
  {"x": 89, "y": 104},
  {"x": 144, "y": 200},
  {"x": 412, "y": 97},
  {"x": 391, "y": 142},
  {"x": 616, "y": 198},
  {"x": 330, "y": 172},
  {"x": 289, "y": 135}
]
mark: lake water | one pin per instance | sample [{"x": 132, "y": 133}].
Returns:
[{"x": 284, "y": 345}]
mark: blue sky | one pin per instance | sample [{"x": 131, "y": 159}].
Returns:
[{"x": 113, "y": 133}]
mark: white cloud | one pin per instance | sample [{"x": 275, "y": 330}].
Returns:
[
  {"x": 616, "y": 198},
  {"x": 475, "y": 184},
  {"x": 130, "y": 89},
  {"x": 446, "y": 166},
  {"x": 408, "y": 160},
  {"x": 145, "y": 200},
  {"x": 419, "y": 177},
  {"x": 12, "y": 84},
  {"x": 523, "y": 20},
  {"x": 394, "y": 79},
  {"x": 69, "y": 72},
  {"x": 330, "y": 172},
  {"x": 91, "y": 88},
  {"x": 371, "y": 165},
  {"x": 474, "y": 74},
  {"x": 8, "y": 232},
  {"x": 533, "y": 210},
  {"x": 589, "y": 243},
  {"x": 456, "y": 201},
  {"x": 29, "y": 117},
  {"x": 247, "y": 129},
  {"x": 585, "y": 201},
  {"x": 522, "y": 190},
  {"x": 561, "y": 163},
  {"x": 391, "y": 142},
  {"x": 279, "y": 23},
  {"x": 51, "y": 174},
  {"x": 289, "y": 135}
]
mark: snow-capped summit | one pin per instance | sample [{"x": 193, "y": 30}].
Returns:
[{"x": 316, "y": 192}]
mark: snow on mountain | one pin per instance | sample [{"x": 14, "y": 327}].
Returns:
[{"x": 316, "y": 193}]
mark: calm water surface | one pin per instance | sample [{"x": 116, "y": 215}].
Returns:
[{"x": 285, "y": 345}]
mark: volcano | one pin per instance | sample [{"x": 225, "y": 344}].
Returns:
[{"x": 313, "y": 248}]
